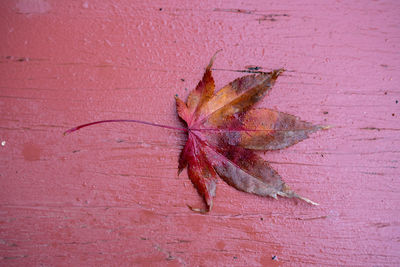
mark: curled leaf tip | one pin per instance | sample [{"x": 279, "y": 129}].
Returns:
[
  {"x": 213, "y": 59},
  {"x": 276, "y": 73},
  {"x": 218, "y": 51},
  {"x": 287, "y": 192},
  {"x": 198, "y": 210},
  {"x": 308, "y": 200}
]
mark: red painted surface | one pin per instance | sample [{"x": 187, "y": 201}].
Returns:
[{"x": 111, "y": 195}]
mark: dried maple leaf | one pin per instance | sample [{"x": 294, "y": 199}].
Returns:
[{"x": 223, "y": 131}]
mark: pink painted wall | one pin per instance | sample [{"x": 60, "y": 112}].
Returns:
[{"x": 110, "y": 195}]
